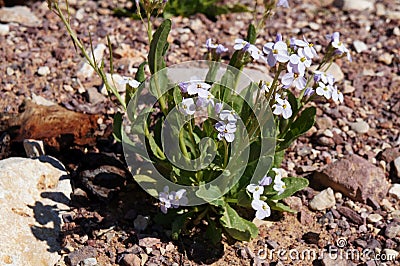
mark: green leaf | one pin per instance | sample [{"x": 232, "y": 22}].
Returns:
[
  {"x": 140, "y": 76},
  {"x": 251, "y": 34},
  {"x": 300, "y": 126},
  {"x": 278, "y": 158},
  {"x": 293, "y": 184},
  {"x": 177, "y": 96},
  {"x": 277, "y": 206},
  {"x": 117, "y": 126},
  {"x": 236, "y": 226},
  {"x": 158, "y": 47}
]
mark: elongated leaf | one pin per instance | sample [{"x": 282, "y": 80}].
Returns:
[
  {"x": 179, "y": 224},
  {"x": 300, "y": 126},
  {"x": 140, "y": 76},
  {"x": 236, "y": 226},
  {"x": 158, "y": 47},
  {"x": 117, "y": 124},
  {"x": 277, "y": 206},
  {"x": 251, "y": 34},
  {"x": 293, "y": 184}
]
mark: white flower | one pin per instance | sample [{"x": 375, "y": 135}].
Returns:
[
  {"x": 205, "y": 98},
  {"x": 225, "y": 131},
  {"x": 282, "y": 107},
  {"x": 309, "y": 49},
  {"x": 178, "y": 198},
  {"x": 130, "y": 81},
  {"x": 228, "y": 115},
  {"x": 279, "y": 185},
  {"x": 337, "y": 95},
  {"x": 256, "y": 190},
  {"x": 301, "y": 60},
  {"x": 210, "y": 45},
  {"x": 240, "y": 44},
  {"x": 279, "y": 172},
  {"x": 265, "y": 86},
  {"x": 165, "y": 202},
  {"x": 262, "y": 209},
  {"x": 324, "y": 90},
  {"x": 255, "y": 53},
  {"x": 187, "y": 106},
  {"x": 195, "y": 86},
  {"x": 294, "y": 78},
  {"x": 276, "y": 52},
  {"x": 324, "y": 77}
]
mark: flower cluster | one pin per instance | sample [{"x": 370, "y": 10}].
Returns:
[
  {"x": 226, "y": 127},
  {"x": 172, "y": 199},
  {"x": 261, "y": 207},
  {"x": 216, "y": 50}
]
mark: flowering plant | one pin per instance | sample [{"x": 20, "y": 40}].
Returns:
[{"x": 209, "y": 146}]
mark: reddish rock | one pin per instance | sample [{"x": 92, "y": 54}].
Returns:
[
  {"x": 353, "y": 216},
  {"x": 355, "y": 178},
  {"x": 57, "y": 126}
]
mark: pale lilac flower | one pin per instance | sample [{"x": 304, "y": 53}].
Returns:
[
  {"x": 165, "y": 202},
  {"x": 210, "y": 45},
  {"x": 324, "y": 90},
  {"x": 340, "y": 47},
  {"x": 178, "y": 198},
  {"x": 283, "y": 3},
  {"x": 282, "y": 107},
  {"x": 262, "y": 209},
  {"x": 276, "y": 52},
  {"x": 183, "y": 86},
  {"x": 205, "y": 98},
  {"x": 294, "y": 78},
  {"x": 130, "y": 81},
  {"x": 265, "y": 181},
  {"x": 337, "y": 95},
  {"x": 324, "y": 77},
  {"x": 218, "y": 108},
  {"x": 309, "y": 49},
  {"x": 187, "y": 106},
  {"x": 309, "y": 92},
  {"x": 195, "y": 86},
  {"x": 228, "y": 115},
  {"x": 255, "y": 190},
  {"x": 240, "y": 44},
  {"x": 278, "y": 37},
  {"x": 221, "y": 49},
  {"x": 226, "y": 131}
]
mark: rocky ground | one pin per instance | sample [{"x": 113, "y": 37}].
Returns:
[{"x": 351, "y": 155}]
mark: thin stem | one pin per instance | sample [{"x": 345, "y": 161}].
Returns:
[
  {"x": 226, "y": 155},
  {"x": 89, "y": 60},
  {"x": 182, "y": 143}
]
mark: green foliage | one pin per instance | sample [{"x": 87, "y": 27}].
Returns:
[{"x": 159, "y": 46}]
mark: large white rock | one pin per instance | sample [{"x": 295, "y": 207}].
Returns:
[
  {"x": 33, "y": 192},
  {"x": 19, "y": 14}
]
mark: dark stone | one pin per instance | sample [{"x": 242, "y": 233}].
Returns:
[
  {"x": 311, "y": 238},
  {"x": 361, "y": 243},
  {"x": 353, "y": 216}
]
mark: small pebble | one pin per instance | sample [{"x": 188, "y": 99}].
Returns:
[
  {"x": 360, "y": 127},
  {"x": 374, "y": 218},
  {"x": 394, "y": 191},
  {"x": 43, "y": 71}
]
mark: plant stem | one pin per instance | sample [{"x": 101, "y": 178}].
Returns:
[
  {"x": 226, "y": 153},
  {"x": 89, "y": 60},
  {"x": 182, "y": 143}
]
